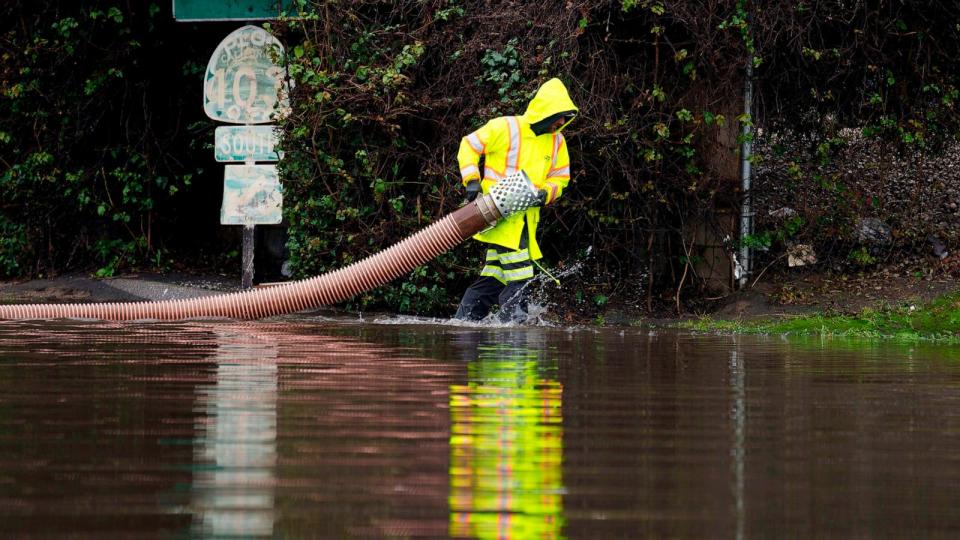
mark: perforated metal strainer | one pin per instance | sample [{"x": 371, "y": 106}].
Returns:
[{"x": 514, "y": 193}]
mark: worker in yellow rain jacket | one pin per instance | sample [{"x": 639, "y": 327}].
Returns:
[{"x": 531, "y": 142}]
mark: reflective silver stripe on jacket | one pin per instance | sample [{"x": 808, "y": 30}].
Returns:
[{"x": 513, "y": 151}]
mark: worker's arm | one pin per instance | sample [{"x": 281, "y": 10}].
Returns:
[
  {"x": 559, "y": 175},
  {"x": 472, "y": 147}
]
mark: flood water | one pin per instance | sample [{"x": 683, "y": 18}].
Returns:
[{"x": 339, "y": 429}]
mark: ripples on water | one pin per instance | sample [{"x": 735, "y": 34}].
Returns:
[{"x": 336, "y": 429}]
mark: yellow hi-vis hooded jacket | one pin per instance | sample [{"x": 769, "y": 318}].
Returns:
[{"x": 508, "y": 144}]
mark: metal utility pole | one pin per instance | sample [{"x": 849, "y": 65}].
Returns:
[{"x": 746, "y": 208}]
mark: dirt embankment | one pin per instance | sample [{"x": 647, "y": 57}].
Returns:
[{"x": 810, "y": 290}]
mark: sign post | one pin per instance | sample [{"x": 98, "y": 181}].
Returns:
[{"x": 244, "y": 85}]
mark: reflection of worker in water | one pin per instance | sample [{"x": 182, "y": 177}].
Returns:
[
  {"x": 506, "y": 446},
  {"x": 532, "y": 143}
]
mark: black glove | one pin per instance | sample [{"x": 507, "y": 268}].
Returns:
[
  {"x": 543, "y": 197},
  {"x": 473, "y": 189}
]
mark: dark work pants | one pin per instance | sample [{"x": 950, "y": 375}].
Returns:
[{"x": 488, "y": 290}]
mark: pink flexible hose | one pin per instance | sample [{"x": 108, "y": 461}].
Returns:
[{"x": 326, "y": 289}]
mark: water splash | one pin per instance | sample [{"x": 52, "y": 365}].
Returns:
[{"x": 540, "y": 290}]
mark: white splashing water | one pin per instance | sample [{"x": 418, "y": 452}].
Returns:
[{"x": 540, "y": 290}]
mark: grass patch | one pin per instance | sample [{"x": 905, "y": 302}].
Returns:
[{"x": 937, "y": 321}]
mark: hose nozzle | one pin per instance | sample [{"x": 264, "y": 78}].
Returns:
[{"x": 509, "y": 196}]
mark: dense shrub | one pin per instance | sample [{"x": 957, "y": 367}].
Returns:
[
  {"x": 860, "y": 109},
  {"x": 384, "y": 91},
  {"x": 92, "y": 135}
]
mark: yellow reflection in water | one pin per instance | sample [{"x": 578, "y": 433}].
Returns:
[{"x": 506, "y": 448}]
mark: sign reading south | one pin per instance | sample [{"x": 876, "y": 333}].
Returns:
[
  {"x": 246, "y": 143},
  {"x": 243, "y": 84},
  {"x": 251, "y": 195}
]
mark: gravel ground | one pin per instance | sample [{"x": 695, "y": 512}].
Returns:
[{"x": 128, "y": 288}]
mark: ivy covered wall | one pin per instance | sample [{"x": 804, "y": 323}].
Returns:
[{"x": 105, "y": 157}]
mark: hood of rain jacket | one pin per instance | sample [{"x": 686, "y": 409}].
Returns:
[{"x": 550, "y": 100}]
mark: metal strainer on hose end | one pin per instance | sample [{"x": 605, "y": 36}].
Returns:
[{"x": 515, "y": 193}]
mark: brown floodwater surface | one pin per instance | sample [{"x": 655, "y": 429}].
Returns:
[{"x": 339, "y": 429}]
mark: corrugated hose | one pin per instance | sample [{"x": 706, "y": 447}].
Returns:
[{"x": 511, "y": 195}]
